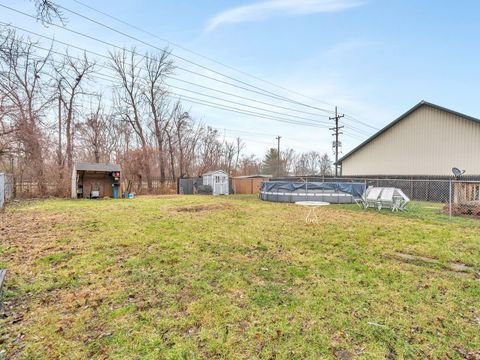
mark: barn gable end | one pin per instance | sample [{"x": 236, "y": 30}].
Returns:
[{"x": 428, "y": 140}]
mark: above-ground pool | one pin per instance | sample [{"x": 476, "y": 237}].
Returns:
[{"x": 334, "y": 193}]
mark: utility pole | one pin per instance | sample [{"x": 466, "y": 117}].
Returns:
[
  {"x": 59, "y": 154},
  {"x": 278, "y": 154},
  {"x": 336, "y": 133}
]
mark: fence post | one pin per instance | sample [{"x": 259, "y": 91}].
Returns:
[
  {"x": 450, "y": 200},
  {"x": 306, "y": 189},
  {"x": 2, "y": 189}
]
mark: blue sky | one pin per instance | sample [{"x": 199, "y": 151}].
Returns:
[{"x": 374, "y": 59}]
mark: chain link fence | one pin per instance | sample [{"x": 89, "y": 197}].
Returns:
[
  {"x": 158, "y": 187},
  {"x": 26, "y": 189},
  {"x": 452, "y": 197}
]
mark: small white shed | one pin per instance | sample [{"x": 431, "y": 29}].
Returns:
[{"x": 218, "y": 180}]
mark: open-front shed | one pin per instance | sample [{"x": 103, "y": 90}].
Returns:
[{"x": 92, "y": 180}]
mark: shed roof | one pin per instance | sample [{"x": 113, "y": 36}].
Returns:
[
  {"x": 254, "y": 176},
  {"x": 403, "y": 116},
  {"x": 215, "y": 172},
  {"x": 83, "y": 166}
]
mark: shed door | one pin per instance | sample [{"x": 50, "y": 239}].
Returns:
[{"x": 220, "y": 185}]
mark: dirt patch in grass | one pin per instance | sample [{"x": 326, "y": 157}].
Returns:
[{"x": 456, "y": 267}]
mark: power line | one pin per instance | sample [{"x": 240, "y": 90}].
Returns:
[
  {"x": 177, "y": 56},
  {"x": 106, "y": 57},
  {"x": 101, "y": 55},
  {"x": 266, "y": 142},
  {"x": 246, "y": 98},
  {"x": 261, "y": 92},
  {"x": 237, "y": 131},
  {"x": 197, "y": 53},
  {"x": 112, "y": 79},
  {"x": 246, "y": 132},
  {"x": 224, "y": 107},
  {"x": 113, "y": 45},
  {"x": 209, "y": 58},
  {"x": 361, "y": 122},
  {"x": 353, "y": 136},
  {"x": 250, "y": 106},
  {"x": 109, "y": 78}
]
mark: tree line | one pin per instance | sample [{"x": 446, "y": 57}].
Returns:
[{"x": 53, "y": 113}]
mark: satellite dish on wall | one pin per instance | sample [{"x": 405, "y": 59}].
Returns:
[{"x": 457, "y": 172}]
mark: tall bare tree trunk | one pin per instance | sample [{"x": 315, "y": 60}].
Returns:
[
  {"x": 130, "y": 98},
  {"x": 158, "y": 66}
]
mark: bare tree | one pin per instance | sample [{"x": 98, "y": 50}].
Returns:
[
  {"x": 192, "y": 144},
  {"x": 23, "y": 81},
  {"x": 99, "y": 134},
  {"x": 325, "y": 165},
  {"x": 7, "y": 129},
  {"x": 158, "y": 67},
  {"x": 140, "y": 128},
  {"x": 209, "y": 149},
  {"x": 71, "y": 75},
  {"x": 169, "y": 132},
  {"x": 240, "y": 146},
  {"x": 229, "y": 151},
  {"x": 181, "y": 123},
  {"x": 129, "y": 99},
  {"x": 48, "y": 11},
  {"x": 249, "y": 165}
]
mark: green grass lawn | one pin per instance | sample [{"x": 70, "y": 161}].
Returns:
[{"x": 232, "y": 277}]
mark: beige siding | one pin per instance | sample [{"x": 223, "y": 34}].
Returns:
[{"x": 429, "y": 141}]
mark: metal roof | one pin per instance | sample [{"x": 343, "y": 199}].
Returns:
[
  {"x": 83, "y": 166},
  {"x": 403, "y": 116}
]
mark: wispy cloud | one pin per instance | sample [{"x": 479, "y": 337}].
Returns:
[
  {"x": 269, "y": 8},
  {"x": 347, "y": 47}
]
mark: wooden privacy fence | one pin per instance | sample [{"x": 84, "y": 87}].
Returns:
[{"x": 247, "y": 185}]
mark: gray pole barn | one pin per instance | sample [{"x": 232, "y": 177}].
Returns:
[{"x": 428, "y": 140}]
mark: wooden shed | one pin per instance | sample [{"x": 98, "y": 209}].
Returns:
[
  {"x": 92, "y": 180},
  {"x": 218, "y": 180},
  {"x": 249, "y": 184}
]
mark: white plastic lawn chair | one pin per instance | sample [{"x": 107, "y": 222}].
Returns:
[
  {"x": 362, "y": 201},
  {"x": 386, "y": 199},
  {"x": 400, "y": 201},
  {"x": 371, "y": 197}
]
